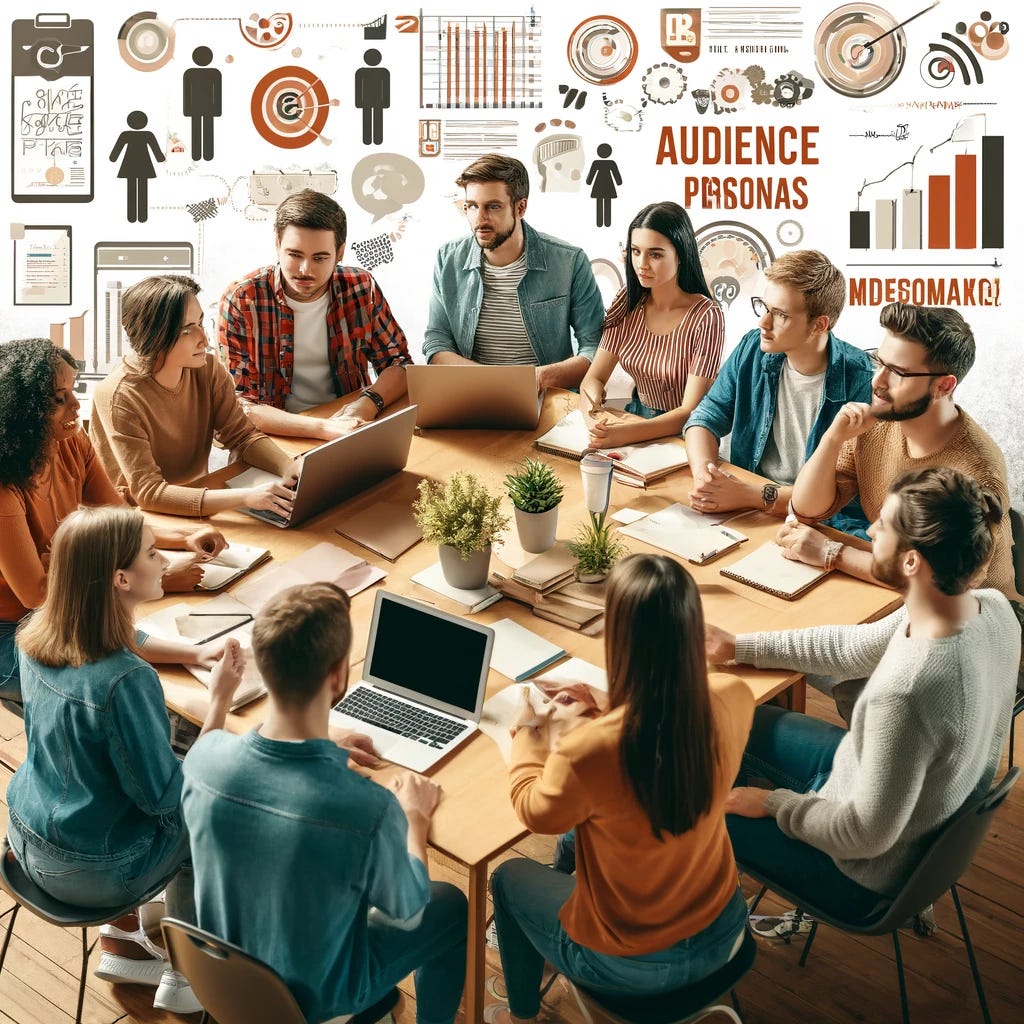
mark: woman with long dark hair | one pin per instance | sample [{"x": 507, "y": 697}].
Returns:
[
  {"x": 655, "y": 903},
  {"x": 663, "y": 327}
]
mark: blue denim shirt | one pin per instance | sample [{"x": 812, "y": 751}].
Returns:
[
  {"x": 100, "y": 783},
  {"x": 742, "y": 399},
  {"x": 557, "y": 292},
  {"x": 291, "y": 849}
]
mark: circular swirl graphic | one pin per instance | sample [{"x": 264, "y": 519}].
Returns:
[
  {"x": 733, "y": 256},
  {"x": 843, "y": 57},
  {"x": 289, "y": 107},
  {"x": 145, "y": 43},
  {"x": 602, "y": 50}
]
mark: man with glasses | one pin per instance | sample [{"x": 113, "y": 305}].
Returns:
[
  {"x": 507, "y": 294},
  {"x": 778, "y": 391},
  {"x": 911, "y": 422}
]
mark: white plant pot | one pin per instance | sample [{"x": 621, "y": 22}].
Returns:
[
  {"x": 537, "y": 529},
  {"x": 591, "y": 577},
  {"x": 465, "y": 575}
]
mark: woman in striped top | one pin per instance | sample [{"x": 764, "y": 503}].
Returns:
[{"x": 663, "y": 327}]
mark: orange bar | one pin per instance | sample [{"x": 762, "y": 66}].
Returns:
[
  {"x": 476, "y": 67},
  {"x": 938, "y": 211},
  {"x": 965, "y": 201},
  {"x": 494, "y": 64},
  {"x": 448, "y": 64},
  {"x": 456, "y": 65},
  {"x": 504, "y": 67}
]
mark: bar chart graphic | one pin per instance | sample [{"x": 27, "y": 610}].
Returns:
[
  {"x": 961, "y": 205},
  {"x": 469, "y": 62}
]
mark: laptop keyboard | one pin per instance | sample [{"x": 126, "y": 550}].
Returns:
[{"x": 383, "y": 711}]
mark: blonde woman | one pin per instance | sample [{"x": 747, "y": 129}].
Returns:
[
  {"x": 156, "y": 416},
  {"x": 93, "y": 812}
]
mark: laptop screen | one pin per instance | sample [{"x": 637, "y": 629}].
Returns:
[{"x": 429, "y": 653}]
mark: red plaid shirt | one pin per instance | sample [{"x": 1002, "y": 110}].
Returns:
[{"x": 256, "y": 333}]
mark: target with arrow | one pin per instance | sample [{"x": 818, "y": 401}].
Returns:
[{"x": 290, "y": 107}]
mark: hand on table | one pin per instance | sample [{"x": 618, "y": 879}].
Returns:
[
  {"x": 417, "y": 795},
  {"x": 206, "y": 542},
  {"x": 715, "y": 490},
  {"x": 273, "y": 497},
  {"x": 801, "y": 543},
  {"x": 719, "y": 646},
  {"x": 227, "y": 672},
  {"x": 560, "y": 714},
  {"x": 605, "y": 434},
  {"x": 183, "y": 578},
  {"x": 207, "y": 655},
  {"x": 747, "y": 802},
  {"x": 358, "y": 746}
]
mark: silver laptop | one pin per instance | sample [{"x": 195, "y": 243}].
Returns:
[
  {"x": 493, "y": 397},
  {"x": 345, "y": 466},
  {"x": 418, "y": 708}
]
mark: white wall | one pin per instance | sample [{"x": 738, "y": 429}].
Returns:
[{"x": 239, "y": 237}]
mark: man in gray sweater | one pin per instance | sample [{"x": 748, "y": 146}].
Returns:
[{"x": 854, "y": 811}]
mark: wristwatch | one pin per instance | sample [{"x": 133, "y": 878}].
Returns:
[
  {"x": 769, "y": 495},
  {"x": 375, "y": 398}
]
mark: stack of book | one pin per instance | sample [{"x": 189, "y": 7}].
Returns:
[{"x": 548, "y": 585}]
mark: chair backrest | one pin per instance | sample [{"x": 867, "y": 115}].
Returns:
[
  {"x": 950, "y": 852},
  {"x": 233, "y": 987},
  {"x": 1017, "y": 529}
]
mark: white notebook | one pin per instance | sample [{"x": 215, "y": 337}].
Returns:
[
  {"x": 519, "y": 653},
  {"x": 676, "y": 530},
  {"x": 769, "y": 570}
]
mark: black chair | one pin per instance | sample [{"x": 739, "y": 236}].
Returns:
[
  {"x": 26, "y": 893},
  {"x": 945, "y": 860},
  {"x": 680, "y": 1006},
  {"x": 236, "y": 988}
]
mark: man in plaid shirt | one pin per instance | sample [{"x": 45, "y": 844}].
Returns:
[{"x": 303, "y": 331}]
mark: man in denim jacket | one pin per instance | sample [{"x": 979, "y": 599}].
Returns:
[
  {"x": 508, "y": 294},
  {"x": 778, "y": 391}
]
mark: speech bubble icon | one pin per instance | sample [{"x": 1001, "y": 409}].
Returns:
[{"x": 383, "y": 183}]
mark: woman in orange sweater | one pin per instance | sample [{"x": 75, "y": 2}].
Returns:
[{"x": 655, "y": 903}]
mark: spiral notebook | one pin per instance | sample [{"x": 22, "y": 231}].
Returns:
[{"x": 769, "y": 570}]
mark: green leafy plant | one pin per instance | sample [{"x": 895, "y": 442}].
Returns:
[
  {"x": 533, "y": 486},
  {"x": 460, "y": 513},
  {"x": 595, "y": 548}
]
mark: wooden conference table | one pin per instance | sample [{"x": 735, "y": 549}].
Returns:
[{"x": 474, "y": 821}]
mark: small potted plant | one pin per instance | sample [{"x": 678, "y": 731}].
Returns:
[
  {"x": 462, "y": 519},
  {"x": 536, "y": 493},
  {"x": 596, "y": 549}
]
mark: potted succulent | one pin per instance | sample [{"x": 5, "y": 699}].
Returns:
[
  {"x": 462, "y": 519},
  {"x": 596, "y": 549},
  {"x": 536, "y": 493}
]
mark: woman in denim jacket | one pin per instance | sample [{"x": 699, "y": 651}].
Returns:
[{"x": 94, "y": 810}]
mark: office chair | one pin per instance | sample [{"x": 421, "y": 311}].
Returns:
[
  {"x": 1017, "y": 527},
  {"x": 945, "y": 860},
  {"x": 679, "y": 1006},
  {"x": 26, "y": 893},
  {"x": 236, "y": 988}
]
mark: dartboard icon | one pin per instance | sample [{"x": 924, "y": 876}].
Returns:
[{"x": 290, "y": 107}]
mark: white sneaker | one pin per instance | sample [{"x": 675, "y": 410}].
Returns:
[
  {"x": 174, "y": 993},
  {"x": 124, "y": 970}
]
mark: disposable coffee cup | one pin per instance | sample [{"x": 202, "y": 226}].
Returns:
[{"x": 597, "y": 482}]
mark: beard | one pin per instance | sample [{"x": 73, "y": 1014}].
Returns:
[
  {"x": 888, "y": 572},
  {"x": 910, "y": 411},
  {"x": 498, "y": 239}
]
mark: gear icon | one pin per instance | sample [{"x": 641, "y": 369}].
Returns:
[
  {"x": 754, "y": 75},
  {"x": 786, "y": 92},
  {"x": 762, "y": 93},
  {"x": 664, "y": 83},
  {"x": 730, "y": 90}
]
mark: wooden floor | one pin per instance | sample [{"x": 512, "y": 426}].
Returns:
[{"x": 846, "y": 979}]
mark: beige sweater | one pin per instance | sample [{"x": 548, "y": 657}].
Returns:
[
  {"x": 152, "y": 440},
  {"x": 868, "y": 464}
]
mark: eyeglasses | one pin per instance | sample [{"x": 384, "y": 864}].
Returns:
[
  {"x": 879, "y": 364},
  {"x": 761, "y": 310}
]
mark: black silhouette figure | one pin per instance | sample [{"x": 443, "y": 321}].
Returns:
[
  {"x": 201, "y": 101},
  {"x": 137, "y": 165},
  {"x": 373, "y": 97},
  {"x": 604, "y": 176}
]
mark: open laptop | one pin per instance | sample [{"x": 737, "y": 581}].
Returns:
[
  {"x": 418, "y": 708},
  {"x": 498, "y": 397},
  {"x": 345, "y": 466}
]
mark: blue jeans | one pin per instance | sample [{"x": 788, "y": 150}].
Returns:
[
  {"x": 637, "y": 407},
  {"x": 793, "y": 751},
  {"x": 10, "y": 677},
  {"x": 108, "y": 883},
  {"x": 527, "y": 899},
  {"x": 435, "y": 949}
]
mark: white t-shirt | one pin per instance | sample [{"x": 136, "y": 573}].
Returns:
[
  {"x": 312, "y": 383},
  {"x": 500, "y": 332},
  {"x": 796, "y": 405}
]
